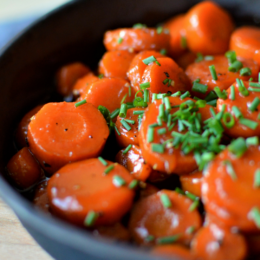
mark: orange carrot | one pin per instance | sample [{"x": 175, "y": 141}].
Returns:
[
  {"x": 40, "y": 199},
  {"x": 192, "y": 182}
]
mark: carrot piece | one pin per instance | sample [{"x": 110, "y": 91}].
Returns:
[
  {"x": 206, "y": 36},
  {"x": 253, "y": 245},
  {"x": 173, "y": 251},
  {"x": 186, "y": 59},
  {"x": 127, "y": 137},
  {"x": 229, "y": 191},
  {"x": 115, "y": 232},
  {"x": 192, "y": 182},
  {"x": 67, "y": 76},
  {"x": 245, "y": 41},
  {"x": 22, "y": 129},
  {"x": 147, "y": 190},
  {"x": 214, "y": 243},
  {"x": 176, "y": 27},
  {"x": 168, "y": 77},
  {"x": 225, "y": 78},
  {"x": 23, "y": 169},
  {"x": 136, "y": 39},
  {"x": 150, "y": 218},
  {"x": 134, "y": 163},
  {"x": 115, "y": 63},
  {"x": 242, "y": 103},
  {"x": 75, "y": 193},
  {"x": 108, "y": 92},
  {"x": 157, "y": 176},
  {"x": 137, "y": 67},
  {"x": 82, "y": 84},
  {"x": 61, "y": 133},
  {"x": 40, "y": 199}
]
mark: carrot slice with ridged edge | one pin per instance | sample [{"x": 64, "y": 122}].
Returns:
[
  {"x": 61, "y": 133},
  {"x": 90, "y": 193}
]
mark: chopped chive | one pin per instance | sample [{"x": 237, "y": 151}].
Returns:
[
  {"x": 133, "y": 184},
  {"x": 254, "y": 104},
  {"x": 228, "y": 120},
  {"x": 91, "y": 218},
  {"x": 109, "y": 169},
  {"x": 196, "y": 81},
  {"x": 127, "y": 149},
  {"x": 101, "y": 76},
  {"x": 211, "y": 96},
  {"x": 209, "y": 57},
  {"x": 212, "y": 111},
  {"x": 129, "y": 91},
  {"x": 176, "y": 94},
  {"x": 220, "y": 94},
  {"x": 118, "y": 181},
  {"x": 232, "y": 93},
  {"x": 145, "y": 85},
  {"x": 123, "y": 110},
  {"x": 159, "y": 30},
  {"x": 241, "y": 87},
  {"x": 165, "y": 81},
  {"x": 197, "y": 87},
  {"x": 117, "y": 131},
  {"x": 150, "y": 134},
  {"x": 167, "y": 240},
  {"x": 163, "y": 51},
  {"x": 132, "y": 122},
  {"x": 165, "y": 200},
  {"x": 153, "y": 125},
  {"x": 253, "y": 84},
  {"x": 254, "y": 140},
  {"x": 167, "y": 103},
  {"x": 102, "y": 161},
  {"x": 194, "y": 205},
  {"x": 123, "y": 99},
  {"x": 231, "y": 55},
  {"x": 190, "y": 230},
  {"x": 212, "y": 102},
  {"x": 251, "y": 79},
  {"x": 230, "y": 169},
  {"x": 257, "y": 178},
  {"x": 80, "y": 103},
  {"x": 119, "y": 40},
  {"x": 199, "y": 57},
  {"x": 254, "y": 89},
  {"x": 191, "y": 196},
  {"x": 249, "y": 123},
  {"x": 255, "y": 215},
  {"x": 245, "y": 72},
  {"x": 180, "y": 191},
  {"x": 149, "y": 238},
  {"x": 235, "y": 66},
  {"x": 213, "y": 72},
  {"x": 158, "y": 148},
  {"x": 237, "y": 112},
  {"x": 138, "y": 112},
  {"x": 139, "y": 26},
  {"x": 183, "y": 42},
  {"x": 161, "y": 131},
  {"x": 157, "y": 62},
  {"x": 146, "y": 95},
  {"x": 115, "y": 113},
  {"x": 186, "y": 94},
  {"x": 238, "y": 147},
  {"x": 125, "y": 125},
  {"x": 259, "y": 77},
  {"x": 161, "y": 111},
  {"x": 149, "y": 60}
]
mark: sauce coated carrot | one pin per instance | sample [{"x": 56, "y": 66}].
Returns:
[{"x": 192, "y": 182}]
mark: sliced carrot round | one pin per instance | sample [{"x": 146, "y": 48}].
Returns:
[
  {"x": 137, "y": 39},
  {"x": 192, "y": 182},
  {"x": 214, "y": 243},
  {"x": 230, "y": 189},
  {"x": 86, "y": 193},
  {"x": 40, "y": 199},
  {"x": 151, "y": 222},
  {"x": 134, "y": 163},
  {"x": 115, "y": 63},
  {"x": 61, "y": 133},
  {"x": 68, "y": 75},
  {"x": 204, "y": 35}
]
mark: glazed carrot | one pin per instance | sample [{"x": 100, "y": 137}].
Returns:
[
  {"x": 208, "y": 28},
  {"x": 253, "y": 245},
  {"x": 230, "y": 188},
  {"x": 176, "y": 27},
  {"x": 68, "y": 75},
  {"x": 83, "y": 83},
  {"x": 23, "y": 169},
  {"x": 115, "y": 232},
  {"x": 61, "y": 133},
  {"x": 115, "y": 63},
  {"x": 137, "y": 67},
  {"x": 173, "y": 251},
  {"x": 225, "y": 78},
  {"x": 192, "y": 182},
  {"x": 186, "y": 59},
  {"x": 22, "y": 129},
  {"x": 40, "y": 199},
  {"x": 168, "y": 77},
  {"x": 214, "y": 243},
  {"x": 242, "y": 105},
  {"x": 109, "y": 92},
  {"x": 137, "y": 39},
  {"x": 157, "y": 176},
  {"x": 245, "y": 41},
  {"x": 93, "y": 197},
  {"x": 125, "y": 136},
  {"x": 152, "y": 218},
  {"x": 147, "y": 190},
  {"x": 134, "y": 163}
]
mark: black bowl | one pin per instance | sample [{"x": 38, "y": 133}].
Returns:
[{"x": 27, "y": 67}]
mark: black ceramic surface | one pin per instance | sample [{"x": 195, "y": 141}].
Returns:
[{"x": 27, "y": 67}]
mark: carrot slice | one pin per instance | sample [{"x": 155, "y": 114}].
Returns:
[
  {"x": 22, "y": 129},
  {"x": 206, "y": 36},
  {"x": 136, "y": 39},
  {"x": 23, "y": 169},
  {"x": 77, "y": 194},
  {"x": 83, "y": 84},
  {"x": 214, "y": 243},
  {"x": 61, "y": 133},
  {"x": 186, "y": 59},
  {"x": 152, "y": 223},
  {"x": 134, "y": 163},
  {"x": 109, "y": 92},
  {"x": 176, "y": 27},
  {"x": 40, "y": 199},
  {"x": 230, "y": 191},
  {"x": 115, "y": 63},
  {"x": 192, "y": 182},
  {"x": 137, "y": 67},
  {"x": 125, "y": 136},
  {"x": 68, "y": 75},
  {"x": 225, "y": 78},
  {"x": 168, "y": 77}
]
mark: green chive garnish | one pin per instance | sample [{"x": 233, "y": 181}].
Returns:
[
  {"x": 123, "y": 110},
  {"x": 129, "y": 91},
  {"x": 145, "y": 85},
  {"x": 228, "y": 120},
  {"x": 119, "y": 40},
  {"x": 80, "y": 103},
  {"x": 102, "y": 161},
  {"x": 241, "y": 87},
  {"x": 211, "y": 96},
  {"x": 146, "y": 95},
  {"x": 139, "y": 26},
  {"x": 249, "y": 123},
  {"x": 194, "y": 205},
  {"x": 245, "y": 72},
  {"x": 231, "y": 55},
  {"x": 115, "y": 113},
  {"x": 163, "y": 51},
  {"x": 237, "y": 112},
  {"x": 235, "y": 66},
  {"x": 165, "y": 200},
  {"x": 232, "y": 93},
  {"x": 186, "y": 94},
  {"x": 150, "y": 134},
  {"x": 255, "y": 215},
  {"x": 254, "y": 104},
  {"x": 199, "y": 57},
  {"x": 125, "y": 125},
  {"x": 220, "y": 94},
  {"x": 197, "y": 87},
  {"x": 230, "y": 169},
  {"x": 159, "y": 30},
  {"x": 254, "y": 89},
  {"x": 254, "y": 140},
  {"x": 167, "y": 240},
  {"x": 150, "y": 60},
  {"x": 117, "y": 131},
  {"x": 133, "y": 184},
  {"x": 209, "y": 57},
  {"x": 138, "y": 112},
  {"x": 176, "y": 94},
  {"x": 118, "y": 181},
  {"x": 109, "y": 169},
  {"x": 101, "y": 76},
  {"x": 253, "y": 84},
  {"x": 127, "y": 149},
  {"x": 213, "y": 72},
  {"x": 238, "y": 147},
  {"x": 90, "y": 218},
  {"x": 158, "y": 148},
  {"x": 257, "y": 179},
  {"x": 190, "y": 230},
  {"x": 161, "y": 131},
  {"x": 183, "y": 42}
]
